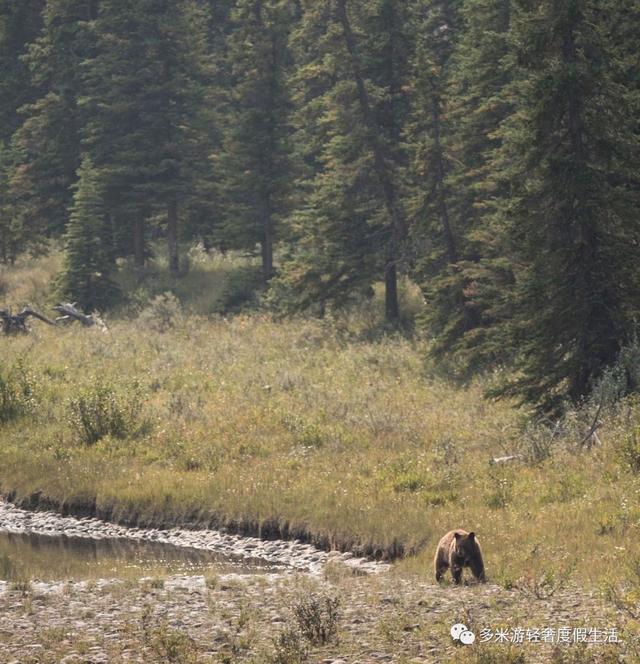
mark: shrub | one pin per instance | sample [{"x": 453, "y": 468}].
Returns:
[
  {"x": 163, "y": 313},
  {"x": 17, "y": 392},
  {"x": 239, "y": 290},
  {"x": 101, "y": 411},
  {"x": 290, "y": 648},
  {"x": 629, "y": 450},
  {"x": 172, "y": 645},
  {"x": 317, "y": 618}
]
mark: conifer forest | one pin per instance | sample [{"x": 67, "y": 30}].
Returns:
[
  {"x": 319, "y": 331},
  {"x": 486, "y": 149}
]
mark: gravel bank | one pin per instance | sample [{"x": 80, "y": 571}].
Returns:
[
  {"x": 293, "y": 555},
  {"x": 233, "y": 618}
]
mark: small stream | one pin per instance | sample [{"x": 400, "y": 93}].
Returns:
[
  {"x": 48, "y": 546},
  {"x": 28, "y": 556}
]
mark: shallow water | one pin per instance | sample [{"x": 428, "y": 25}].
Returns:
[{"x": 27, "y": 556}]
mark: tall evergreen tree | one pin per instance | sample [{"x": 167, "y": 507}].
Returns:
[
  {"x": 88, "y": 260},
  {"x": 11, "y": 239},
  {"x": 461, "y": 97},
  {"x": 20, "y": 24},
  {"x": 435, "y": 229},
  {"x": 257, "y": 165},
  {"x": 46, "y": 147},
  {"x": 144, "y": 99},
  {"x": 205, "y": 213},
  {"x": 570, "y": 153},
  {"x": 351, "y": 230},
  {"x": 479, "y": 101}
]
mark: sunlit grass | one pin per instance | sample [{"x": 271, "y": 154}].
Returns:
[{"x": 296, "y": 425}]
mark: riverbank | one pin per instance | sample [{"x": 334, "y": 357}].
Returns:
[
  {"x": 297, "y": 430},
  {"x": 247, "y": 618},
  {"x": 289, "y": 555}
]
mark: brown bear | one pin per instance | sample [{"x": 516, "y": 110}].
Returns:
[{"x": 456, "y": 550}]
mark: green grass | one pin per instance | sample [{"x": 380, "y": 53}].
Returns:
[
  {"x": 297, "y": 426},
  {"x": 208, "y": 284}
]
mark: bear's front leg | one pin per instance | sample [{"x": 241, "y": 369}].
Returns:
[{"x": 456, "y": 573}]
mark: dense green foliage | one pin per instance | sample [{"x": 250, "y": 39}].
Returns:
[
  {"x": 485, "y": 149},
  {"x": 88, "y": 247}
]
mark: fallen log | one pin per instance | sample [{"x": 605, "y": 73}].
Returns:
[
  {"x": 505, "y": 459},
  {"x": 70, "y": 312},
  {"x": 17, "y": 323}
]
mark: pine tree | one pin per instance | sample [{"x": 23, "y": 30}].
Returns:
[
  {"x": 12, "y": 241},
  {"x": 46, "y": 147},
  {"x": 88, "y": 260},
  {"x": 461, "y": 78},
  {"x": 257, "y": 166},
  {"x": 570, "y": 154},
  {"x": 479, "y": 101},
  {"x": 350, "y": 232},
  {"x": 205, "y": 209},
  {"x": 144, "y": 99},
  {"x": 435, "y": 228},
  {"x": 20, "y": 24}
]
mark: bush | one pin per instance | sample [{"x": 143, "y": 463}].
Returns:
[
  {"x": 239, "y": 290},
  {"x": 290, "y": 648},
  {"x": 630, "y": 450},
  {"x": 317, "y": 618},
  {"x": 101, "y": 411},
  {"x": 17, "y": 393},
  {"x": 163, "y": 313}
]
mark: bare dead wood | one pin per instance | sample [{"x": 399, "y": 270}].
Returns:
[
  {"x": 17, "y": 323},
  {"x": 70, "y": 313},
  {"x": 591, "y": 437},
  {"x": 505, "y": 459}
]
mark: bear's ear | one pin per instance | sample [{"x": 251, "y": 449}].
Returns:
[
  {"x": 457, "y": 536},
  {"x": 471, "y": 535}
]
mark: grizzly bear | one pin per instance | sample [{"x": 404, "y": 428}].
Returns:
[{"x": 456, "y": 550}]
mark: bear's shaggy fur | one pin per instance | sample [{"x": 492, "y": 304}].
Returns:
[{"x": 456, "y": 550}]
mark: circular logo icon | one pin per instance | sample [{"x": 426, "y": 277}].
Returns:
[
  {"x": 467, "y": 638},
  {"x": 457, "y": 630}
]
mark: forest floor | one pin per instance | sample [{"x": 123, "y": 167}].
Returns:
[{"x": 330, "y": 431}]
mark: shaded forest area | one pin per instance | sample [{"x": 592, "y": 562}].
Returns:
[{"x": 487, "y": 149}]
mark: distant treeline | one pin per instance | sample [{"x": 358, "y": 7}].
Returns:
[{"x": 488, "y": 149}]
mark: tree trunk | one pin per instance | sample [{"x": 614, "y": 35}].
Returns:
[
  {"x": 267, "y": 247},
  {"x": 172, "y": 236},
  {"x": 138, "y": 243},
  {"x": 391, "y": 304},
  {"x": 392, "y": 203}
]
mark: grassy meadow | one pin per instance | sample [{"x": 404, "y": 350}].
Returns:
[{"x": 325, "y": 429}]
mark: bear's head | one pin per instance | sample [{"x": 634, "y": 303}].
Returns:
[
  {"x": 468, "y": 548},
  {"x": 466, "y": 545}
]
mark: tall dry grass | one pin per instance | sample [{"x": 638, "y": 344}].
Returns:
[{"x": 297, "y": 422}]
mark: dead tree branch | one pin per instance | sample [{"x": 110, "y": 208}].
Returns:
[
  {"x": 17, "y": 323},
  {"x": 70, "y": 312}
]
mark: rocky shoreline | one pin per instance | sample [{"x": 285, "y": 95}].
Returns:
[
  {"x": 251, "y": 618},
  {"x": 292, "y": 555},
  {"x": 231, "y": 618}
]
